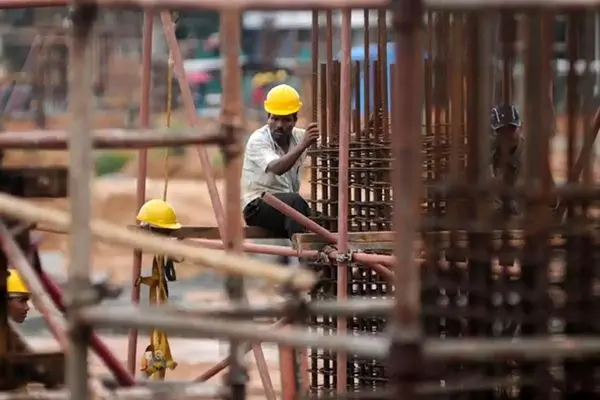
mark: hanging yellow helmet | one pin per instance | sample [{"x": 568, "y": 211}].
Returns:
[
  {"x": 283, "y": 100},
  {"x": 15, "y": 284},
  {"x": 159, "y": 214}
]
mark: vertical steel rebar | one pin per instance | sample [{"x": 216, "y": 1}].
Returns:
[
  {"x": 83, "y": 17},
  {"x": 406, "y": 353},
  {"x": 142, "y": 167}
]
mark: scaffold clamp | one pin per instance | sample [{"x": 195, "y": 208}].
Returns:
[{"x": 347, "y": 257}]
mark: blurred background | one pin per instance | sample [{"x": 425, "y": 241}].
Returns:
[{"x": 276, "y": 48}]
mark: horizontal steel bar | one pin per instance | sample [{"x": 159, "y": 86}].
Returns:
[
  {"x": 487, "y": 4},
  {"x": 179, "y": 391},
  {"x": 346, "y": 308},
  {"x": 304, "y": 4},
  {"x": 109, "y": 139},
  {"x": 466, "y": 349},
  {"x": 168, "y": 319},
  {"x": 538, "y": 348},
  {"x": 210, "y": 4},
  {"x": 107, "y": 232}
]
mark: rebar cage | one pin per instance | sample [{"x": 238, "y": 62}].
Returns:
[
  {"x": 484, "y": 272},
  {"x": 489, "y": 301}
]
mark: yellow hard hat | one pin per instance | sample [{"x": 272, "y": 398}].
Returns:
[
  {"x": 283, "y": 100},
  {"x": 15, "y": 284},
  {"x": 159, "y": 214}
]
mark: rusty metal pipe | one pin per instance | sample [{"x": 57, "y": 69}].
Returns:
[
  {"x": 347, "y": 308},
  {"x": 142, "y": 168},
  {"x": 192, "y": 117},
  {"x": 210, "y": 4},
  {"x": 110, "y": 139},
  {"x": 405, "y": 355},
  {"x": 83, "y": 19},
  {"x": 165, "y": 318},
  {"x": 289, "y": 252},
  {"x": 221, "y": 365},
  {"x": 303, "y": 4},
  {"x": 343, "y": 195},
  {"x": 319, "y": 230}
]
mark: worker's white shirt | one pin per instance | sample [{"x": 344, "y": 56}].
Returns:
[{"x": 261, "y": 149}]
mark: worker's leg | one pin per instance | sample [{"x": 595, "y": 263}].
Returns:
[
  {"x": 261, "y": 214},
  {"x": 295, "y": 201},
  {"x": 258, "y": 213}
]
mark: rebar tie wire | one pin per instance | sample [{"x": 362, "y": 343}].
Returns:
[{"x": 325, "y": 255}]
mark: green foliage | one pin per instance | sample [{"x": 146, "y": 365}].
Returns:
[{"x": 111, "y": 162}]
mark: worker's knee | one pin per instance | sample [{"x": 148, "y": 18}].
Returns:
[{"x": 299, "y": 204}]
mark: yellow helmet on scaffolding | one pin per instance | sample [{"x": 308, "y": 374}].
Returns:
[
  {"x": 282, "y": 100},
  {"x": 158, "y": 214},
  {"x": 15, "y": 285}
]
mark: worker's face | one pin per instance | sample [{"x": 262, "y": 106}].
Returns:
[
  {"x": 18, "y": 307},
  {"x": 281, "y": 126}
]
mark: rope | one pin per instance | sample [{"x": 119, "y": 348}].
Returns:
[{"x": 157, "y": 357}]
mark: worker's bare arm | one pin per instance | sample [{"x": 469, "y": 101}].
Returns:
[{"x": 284, "y": 163}]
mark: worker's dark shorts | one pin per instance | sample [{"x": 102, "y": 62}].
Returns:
[{"x": 259, "y": 213}]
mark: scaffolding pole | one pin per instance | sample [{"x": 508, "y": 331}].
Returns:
[
  {"x": 142, "y": 172},
  {"x": 83, "y": 18}
]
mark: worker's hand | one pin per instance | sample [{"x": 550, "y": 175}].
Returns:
[{"x": 311, "y": 135}]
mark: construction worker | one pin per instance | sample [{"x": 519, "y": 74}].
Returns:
[
  {"x": 507, "y": 149},
  {"x": 272, "y": 160},
  {"x": 18, "y": 296}
]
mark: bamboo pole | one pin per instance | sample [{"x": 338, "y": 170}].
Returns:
[{"x": 112, "y": 233}]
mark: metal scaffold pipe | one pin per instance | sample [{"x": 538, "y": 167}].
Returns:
[
  {"x": 303, "y": 4},
  {"x": 110, "y": 139},
  {"x": 165, "y": 318},
  {"x": 301, "y": 279},
  {"x": 142, "y": 172},
  {"x": 83, "y": 18},
  {"x": 209, "y": 4},
  {"x": 405, "y": 355},
  {"x": 457, "y": 350}
]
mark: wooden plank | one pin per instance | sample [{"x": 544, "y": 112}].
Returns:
[
  {"x": 383, "y": 241},
  {"x": 375, "y": 241}
]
